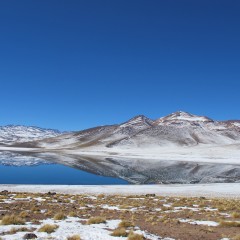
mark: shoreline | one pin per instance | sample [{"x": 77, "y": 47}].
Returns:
[
  {"x": 212, "y": 190},
  {"x": 202, "y": 154}
]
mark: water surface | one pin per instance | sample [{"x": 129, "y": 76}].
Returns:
[
  {"x": 52, "y": 174},
  {"x": 55, "y": 168}
]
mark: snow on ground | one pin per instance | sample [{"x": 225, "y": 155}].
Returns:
[
  {"x": 225, "y": 190},
  {"x": 72, "y": 226},
  {"x": 197, "y": 222},
  {"x": 106, "y": 206},
  {"x": 229, "y": 154}
]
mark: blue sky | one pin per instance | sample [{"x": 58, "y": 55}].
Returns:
[{"x": 77, "y": 64}]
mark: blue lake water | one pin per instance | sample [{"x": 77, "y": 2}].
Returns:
[
  {"x": 52, "y": 174},
  {"x": 52, "y": 168}
]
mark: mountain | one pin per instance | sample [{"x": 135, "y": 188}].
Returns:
[
  {"x": 179, "y": 129},
  {"x": 185, "y": 129},
  {"x": 181, "y": 117},
  {"x": 17, "y": 133},
  {"x": 136, "y": 124},
  {"x": 178, "y": 148}
]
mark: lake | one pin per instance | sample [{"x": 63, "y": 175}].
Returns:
[
  {"x": 55, "y": 168},
  {"x": 52, "y": 174}
]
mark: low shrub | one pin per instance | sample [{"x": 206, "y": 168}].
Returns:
[
  {"x": 237, "y": 237},
  {"x": 48, "y": 228},
  {"x": 125, "y": 224},
  {"x": 12, "y": 219},
  {"x": 119, "y": 232},
  {"x": 72, "y": 214},
  {"x": 21, "y": 229},
  {"x": 96, "y": 220},
  {"x": 135, "y": 236},
  {"x": 235, "y": 215},
  {"x": 74, "y": 237},
  {"x": 60, "y": 216},
  {"x": 229, "y": 224}
]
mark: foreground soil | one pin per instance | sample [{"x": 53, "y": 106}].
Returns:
[{"x": 182, "y": 218}]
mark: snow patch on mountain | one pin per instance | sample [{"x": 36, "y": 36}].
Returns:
[
  {"x": 18, "y": 133},
  {"x": 179, "y": 130},
  {"x": 183, "y": 116},
  {"x": 138, "y": 121},
  {"x": 237, "y": 124}
]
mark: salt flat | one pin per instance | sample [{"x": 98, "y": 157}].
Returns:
[
  {"x": 222, "y": 190},
  {"x": 228, "y": 154}
]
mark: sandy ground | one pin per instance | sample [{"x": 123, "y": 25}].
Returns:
[{"x": 221, "y": 190}]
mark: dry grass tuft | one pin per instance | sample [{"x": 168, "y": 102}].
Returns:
[
  {"x": 229, "y": 224},
  {"x": 12, "y": 219},
  {"x": 72, "y": 214},
  {"x": 48, "y": 228},
  {"x": 74, "y": 237},
  {"x": 237, "y": 237},
  {"x": 21, "y": 229},
  {"x": 96, "y": 220},
  {"x": 24, "y": 214},
  {"x": 125, "y": 224},
  {"x": 235, "y": 215},
  {"x": 135, "y": 236},
  {"x": 60, "y": 216},
  {"x": 119, "y": 232}
]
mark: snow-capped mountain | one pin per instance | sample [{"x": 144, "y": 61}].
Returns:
[
  {"x": 139, "y": 122},
  {"x": 18, "y": 133},
  {"x": 182, "y": 117},
  {"x": 178, "y": 148},
  {"x": 179, "y": 129},
  {"x": 185, "y": 129}
]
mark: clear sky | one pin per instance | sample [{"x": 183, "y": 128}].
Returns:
[{"x": 77, "y": 64}]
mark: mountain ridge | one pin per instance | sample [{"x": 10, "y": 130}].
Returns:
[
  {"x": 178, "y": 148},
  {"x": 176, "y": 129},
  {"x": 179, "y": 129},
  {"x": 21, "y": 133}
]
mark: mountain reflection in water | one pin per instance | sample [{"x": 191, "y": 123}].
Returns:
[{"x": 76, "y": 169}]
